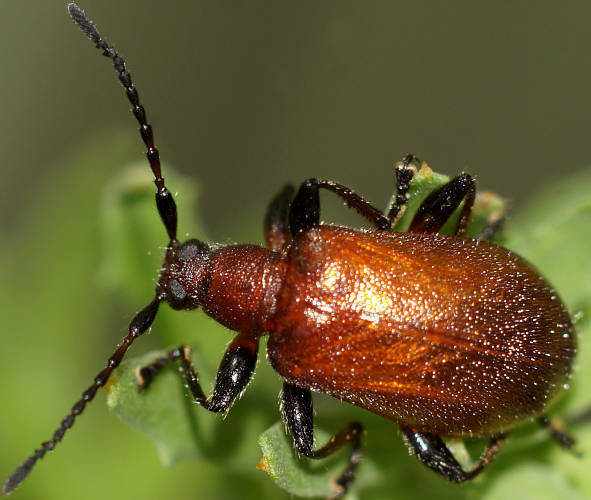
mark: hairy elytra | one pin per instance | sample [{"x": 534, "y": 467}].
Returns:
[{"x": 349, "y": 312}]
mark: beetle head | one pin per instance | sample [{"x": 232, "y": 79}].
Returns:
[{"x": 185, "y": 274}]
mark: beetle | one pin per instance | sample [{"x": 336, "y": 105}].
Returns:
[{"x": 446, "y": 336}]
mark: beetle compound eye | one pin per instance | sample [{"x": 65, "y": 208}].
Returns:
[
  {"x": 192, "y": 250},
  {"x": 176, "y": 290}
]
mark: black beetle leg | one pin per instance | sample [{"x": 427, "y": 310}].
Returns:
[
  {"x": 234, "y": 372},
  {"x": 493, "y": 226},
  {"x": 304, "y": 212},
  {"x": 297, "y": 413},
  {"x": 432, "y": 451},
  {"x": 441, "y": 203},
  {"x": 276, "y": 232},
  {"x": 562, "y": 438},
  {"x": 404, "y": 176}
]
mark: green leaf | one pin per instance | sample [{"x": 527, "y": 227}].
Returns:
[
  {"x": 535, "y": 481},
  {"x": 163, "y": 412},
  {"x": 306, "y": 478},
  {"x": 164, "y": 419}
]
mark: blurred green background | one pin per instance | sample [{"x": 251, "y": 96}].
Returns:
[{"x": 243, "y": 96}]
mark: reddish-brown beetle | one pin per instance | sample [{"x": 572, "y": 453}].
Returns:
[{"x": 445, "y": 335}]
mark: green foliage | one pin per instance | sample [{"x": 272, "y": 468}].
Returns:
[
  {"x": 164, "y": 417},
  {"x": 305, "y": 478}
]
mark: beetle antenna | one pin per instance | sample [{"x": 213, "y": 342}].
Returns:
[
  {"x": 164, "y": 200},
  {"x": 139, "y": 324}
]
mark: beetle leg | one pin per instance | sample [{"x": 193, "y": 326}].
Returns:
[
  {"x": 562, "y": 438},
  {"x": 404, "y": 176},
  {"x": 441, "y": 203},
  {"x": 493, "y": 227},
  {"x": 432, "y": 451},
  {"x": 298, "y": 416},
  {"x": 304, "y": 212},
  {"x": 277, "y": 234},
  {"x": 234, "y": 372}
]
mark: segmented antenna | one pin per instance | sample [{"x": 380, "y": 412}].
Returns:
[
  {"x": 164, "y": 200},
  {"x": 144, "y": 319}
]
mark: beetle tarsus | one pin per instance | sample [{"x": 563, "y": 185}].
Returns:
[
  {"x": 564, "y": 439},
  {"x": 432, "y": 451},
  {"x": 493, "y": 226},
  {"x": 404, "y": 176}
]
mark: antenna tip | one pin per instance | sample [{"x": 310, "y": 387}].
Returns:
[
  {"x": 18, "y": 475},
  {"x": 85, "y": 24}
]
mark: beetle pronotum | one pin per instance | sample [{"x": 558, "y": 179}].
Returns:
[{"x": 445, "y": 335}]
